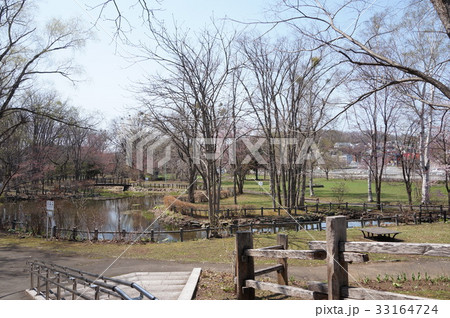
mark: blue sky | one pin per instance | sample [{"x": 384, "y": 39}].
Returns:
[{"x": 107, "y": 76}]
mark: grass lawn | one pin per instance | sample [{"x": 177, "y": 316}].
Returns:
[
  {"x": 256, "y": 196},
  {"x": 221, "y": 250}
]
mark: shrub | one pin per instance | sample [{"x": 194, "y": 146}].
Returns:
[{"x": 180, "y": 206}]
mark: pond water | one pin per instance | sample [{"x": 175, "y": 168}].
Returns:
[{"x": 130, "y": 214}]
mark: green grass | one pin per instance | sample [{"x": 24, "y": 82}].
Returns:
[
  {"x": 392, "y": 192},
  {"x": 221, "y": 250}
]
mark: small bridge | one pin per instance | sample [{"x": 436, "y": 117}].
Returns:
[{"x": 113, "y": 182}]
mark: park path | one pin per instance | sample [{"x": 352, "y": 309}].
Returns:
[{"x": 14, "y": 278}]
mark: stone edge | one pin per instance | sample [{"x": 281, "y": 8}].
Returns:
[{"x": 191, "y": 285}]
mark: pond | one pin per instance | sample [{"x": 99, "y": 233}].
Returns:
[{"x": 129, "y": 214}]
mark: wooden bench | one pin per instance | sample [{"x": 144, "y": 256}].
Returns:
[{"x": 379, "y": 231}]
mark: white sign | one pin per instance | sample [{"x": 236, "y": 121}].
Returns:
[
  {"x": 50, "y": 205},
  {"x": 50, "y": 214},
  {"x": 260, "y": 183}
]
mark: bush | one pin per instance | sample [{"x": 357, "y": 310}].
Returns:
[
  {"x": 339, "y": 191},
  {"x": 180, "y": 206}
]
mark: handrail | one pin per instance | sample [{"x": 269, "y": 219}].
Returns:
[{"x": 104, "y": 287}]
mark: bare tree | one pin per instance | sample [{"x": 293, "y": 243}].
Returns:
[
  {"x": 325, "y": 26},
  {"x": 195, "y": 94}
]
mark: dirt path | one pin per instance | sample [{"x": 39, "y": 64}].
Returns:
[{"x": 14, "y": 278}]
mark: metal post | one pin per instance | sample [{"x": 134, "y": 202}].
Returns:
[
  {"x": 31, "y": 276},
  {"x": 58, "y": 288},
  {"x": 38, "y": 283},
  {"x": 74, "y": 287},
  {"x": 47, "y": 289}
]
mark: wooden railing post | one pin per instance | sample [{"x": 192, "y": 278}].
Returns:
[
  {"x": 262, "y": 211},
  {"x": 396, "y": 219},
  {"x": 152, "y": 235},
  {"x": 378, "y": 221},
  {"x": 282, "y": 275},
  {"x": 95, "y": 234},
  {"x": 245, "y": 267},
  {"x": 181, "y": 234},
  {"x": 337, "y": 269}
]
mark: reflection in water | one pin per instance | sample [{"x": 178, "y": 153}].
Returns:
[{"x": 129, "y": 214}]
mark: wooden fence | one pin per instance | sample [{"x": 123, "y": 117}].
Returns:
[
  {"x": 182, "y": 234},
  {"x": 418, "y": 213},
  {"x": 337, "y": 252}
]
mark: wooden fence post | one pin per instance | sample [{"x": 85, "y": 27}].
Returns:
[
  {"x": 337, "y": 269},
  {"x": 245, "y": 267},
  {"x": 262, "y": 211},
  {"x": 415, "y": 218},
  {"x": 378, "y": 221},
  {"x": 282, "y": 275},
  {"x": 208, "y": 231},
  {"x": 181, "y": 234},
  {"x": 74, "y": 233},
  {"x": 152, "y": 235},
  {"x": 362, "y": 221},
  {"x": 396, "y": 219},
  {"x": 317, "y": 207},
  {"x": 445, "y": 213},
  {"x": 95, "y": 235}
]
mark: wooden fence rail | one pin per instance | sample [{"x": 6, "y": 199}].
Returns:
[
  {"x": 338, "y": 254},
  {"x": 419, "y": 213}
]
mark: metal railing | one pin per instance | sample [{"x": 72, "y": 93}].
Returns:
[{"x": 44, "y": 277}]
